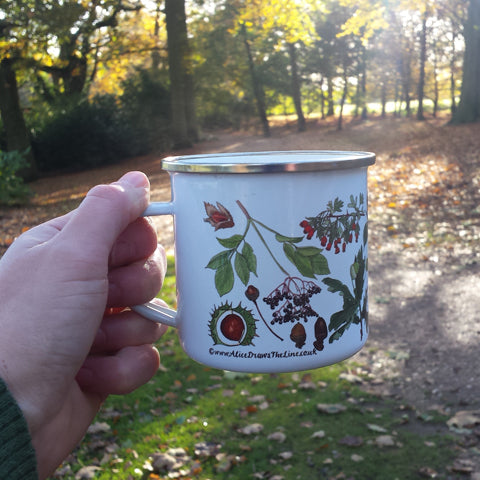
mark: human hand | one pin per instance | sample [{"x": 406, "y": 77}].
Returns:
[{"x": 59, "y": 355}]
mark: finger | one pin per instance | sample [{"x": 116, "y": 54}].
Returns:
[
  {"x": 138, "y": 282},
  {"x": 105, "y": 213},
  {"x": 121, "y": 373},
  {"x": 126, "y": 329},
  {"x": 137, "y": 241}
]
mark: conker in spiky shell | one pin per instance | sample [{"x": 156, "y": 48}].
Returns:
[{"x": 233, "y": 327}]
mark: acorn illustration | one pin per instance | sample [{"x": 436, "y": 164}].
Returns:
[
  {"x": 298, "y": 335},
  {"x": 321, "y": 333}
]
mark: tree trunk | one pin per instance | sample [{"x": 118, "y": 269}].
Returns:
[
  {"x": 257, "y": 87},
  {"x": 177, "y": 58},
  {"x": 363, "y": 92},
  {"x": 453, "y": 105},
  {"x": 423, "y": 58},
  {"x": 16, "y": 132},
  {"x": 342, "y": 101},
  {"x": 383, "y": 95},
  {"x": 436, "y": 87},
  {"x": 296, "y": 95},
  {"x": 330, "y": 104},
  {"x": 468, "y": 109}
]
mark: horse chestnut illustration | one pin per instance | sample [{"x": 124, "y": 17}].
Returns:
[{"x": 233, "y": 327}]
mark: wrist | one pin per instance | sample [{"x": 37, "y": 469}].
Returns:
[{"x": 17, "y": 456}]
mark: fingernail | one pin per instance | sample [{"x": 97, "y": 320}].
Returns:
[{"x": 135, "y": 179}]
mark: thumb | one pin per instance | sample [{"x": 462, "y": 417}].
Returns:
[{"x": 105, "y": 212}]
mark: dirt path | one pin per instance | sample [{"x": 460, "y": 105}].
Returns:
[{"x": 424, "y": 194}]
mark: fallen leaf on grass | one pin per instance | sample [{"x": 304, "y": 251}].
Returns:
[
  {"x": 285, "y": 455},
  {"x": 376, "y": 428},
  {"x": 307, "y": 386},
  {"x": 385, "y": 441},
  {"x": 87, "y": 473},
  {"x": 351, "y": 441},
  {"x": 318, "y": 434},
  {"x": 207, "y": 449},
  {"x": 257, "y": 398},
  {"x": 350, "y": 378},
  {"x": 427, "y": 472},
  {"x": 98, "y": 427},
  {"x": 465, "y": 419},
  {"x": 251, "y": 429},
  {"x": 331, "y": 408},
  {"x": 172, "y": 459},
  {"x": 462, "y": 466},
  {"x": 279, "y": 437},
  {"x": 356, "y": 458}
]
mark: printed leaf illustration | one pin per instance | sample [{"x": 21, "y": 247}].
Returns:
[
  {"x": 230, "y": 242},
  {"x": 353, "y": 311},
  {"x": 308, "y": 260},
  {"x": 283, "y": 238},
  {"x": 241, "y": 267},
  {"x": 219, "y": 260},
  {"x": 250, "y": 257},
  {"x": 224, "y": 278}
]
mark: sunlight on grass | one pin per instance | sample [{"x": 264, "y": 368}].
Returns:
[{"x": 227, "y": 425}]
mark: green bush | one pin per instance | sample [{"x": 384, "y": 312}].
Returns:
[
  {"x": 81, "y": 136},
  {"x": 144, "y": 110},
  {"x": 84, "y": 133},
  {"x": 12, "y": 189}
]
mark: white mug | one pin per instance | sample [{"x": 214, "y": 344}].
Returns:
[{"x": 270, "y": 258}]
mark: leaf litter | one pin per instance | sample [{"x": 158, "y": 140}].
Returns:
[{"x": 425, "y": 218}]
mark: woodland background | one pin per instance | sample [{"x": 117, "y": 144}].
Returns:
[
  {"x": 87, "y": 82},
  {"x": 92, "y": 88}
]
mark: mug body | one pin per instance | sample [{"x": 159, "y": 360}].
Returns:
[{"x": 271, "y": 266}]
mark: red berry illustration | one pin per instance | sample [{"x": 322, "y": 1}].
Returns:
[
  {"x": 329, "y": 245},
  {"x": 323, "y": 241},
  {"x": 232, "y": 327},
  {"x": 344, "y": 247}
]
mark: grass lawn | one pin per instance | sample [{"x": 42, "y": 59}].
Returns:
[{"x": 194, "y": 422}]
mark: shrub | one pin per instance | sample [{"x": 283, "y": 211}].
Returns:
[
  {"x": 82, "y": 136},
  {"x": 12, "y": 189},
  {"x": 144, "y": 108},
  {"x": 89, "y": 133}
]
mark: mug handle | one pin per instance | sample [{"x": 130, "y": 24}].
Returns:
[{"x": 151, "y": 310}]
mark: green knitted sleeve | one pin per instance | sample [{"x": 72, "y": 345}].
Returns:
[{"x": 17, "y": 456}]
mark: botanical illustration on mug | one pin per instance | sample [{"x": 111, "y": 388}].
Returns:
[{"x": 305, "y": 258}]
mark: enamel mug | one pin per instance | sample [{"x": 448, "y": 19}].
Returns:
[{"x": 270, "y": 257}]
